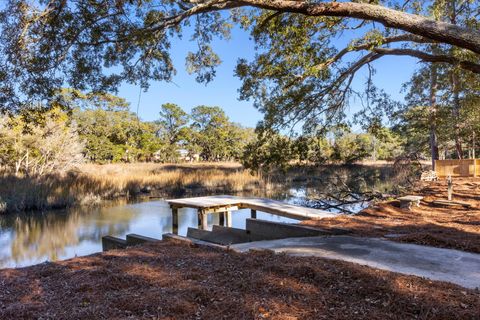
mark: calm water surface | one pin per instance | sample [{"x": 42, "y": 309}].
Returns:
[{"x": 32, "y": 238}]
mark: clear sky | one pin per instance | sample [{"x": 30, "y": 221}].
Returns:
[{"x": 223, "y": 91}]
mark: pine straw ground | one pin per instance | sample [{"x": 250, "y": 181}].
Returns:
[
  {"x": 453, "y": 227},
  {"x": 176, "y": 281}
]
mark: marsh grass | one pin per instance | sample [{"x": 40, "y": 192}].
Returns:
[{"x": 91, "y": 183}]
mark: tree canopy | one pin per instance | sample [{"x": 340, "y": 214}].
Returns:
[
  {"x": 96, "y": 45},
  {"x": 299, "y": 74}
]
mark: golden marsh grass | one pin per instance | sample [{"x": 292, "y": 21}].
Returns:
[{"x": 91, "y": 183}]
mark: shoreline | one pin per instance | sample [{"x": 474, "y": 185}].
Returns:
[
  {"x": 180, "y": 281},
  {"x": 443, "y": 227},
  {"x": 91, "y": 184}
]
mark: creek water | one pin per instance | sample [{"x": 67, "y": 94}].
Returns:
[{"x": 31, "y": 238}]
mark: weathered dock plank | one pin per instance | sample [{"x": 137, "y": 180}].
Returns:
[{"x": 229, "y": 203}]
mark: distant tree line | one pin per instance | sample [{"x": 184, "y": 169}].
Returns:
[
  {"x": 112, "y": 133},
  {"x": 206, "y": 132},
  {"x": 337, "y": 144},
  {"x": 100, "y": 128}
]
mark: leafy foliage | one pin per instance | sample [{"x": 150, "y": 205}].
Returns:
[
  {"x": 338, "y": 145},
  {"x": 49, "y": 144},
  {"x": 298, "y": 75},
  {"x": 215, "y": 136}
]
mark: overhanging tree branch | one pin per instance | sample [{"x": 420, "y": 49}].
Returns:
[
  {"x": 415, "y": 24},
  {"x": 419, "y": 25}
]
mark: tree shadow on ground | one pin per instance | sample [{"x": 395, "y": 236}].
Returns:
[{"x": 173, "y": 281}]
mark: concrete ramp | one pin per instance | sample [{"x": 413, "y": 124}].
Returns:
[{"x": 453, "y": 266}]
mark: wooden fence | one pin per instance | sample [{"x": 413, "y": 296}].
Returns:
[{"x": 458, "y": 168}]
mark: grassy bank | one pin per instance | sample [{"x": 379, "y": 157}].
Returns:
[
  {"x": 90, "y": 183},
  {"x": 93, "y": 183}
]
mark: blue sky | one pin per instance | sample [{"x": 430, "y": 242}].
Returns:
[{"x": 223, "y": 91}]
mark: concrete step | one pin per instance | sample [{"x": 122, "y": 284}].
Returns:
[
  {"x": 219, "y": 236},
  {"x": 112, "y": 243},
  {"x": 234, "y": 235},
  {"x": 257, "y": 230},
  {"x": 136, "y": 239}
]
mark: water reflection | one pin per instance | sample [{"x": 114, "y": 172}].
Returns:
[
  {"x": 32, "y": 238},
  {"x": 27, "y": 239}
]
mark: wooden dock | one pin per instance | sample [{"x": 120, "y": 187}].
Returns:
[{"x": 225, "y": 204}]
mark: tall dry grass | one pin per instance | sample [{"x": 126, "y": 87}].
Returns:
[{"x": 91, "y": 183}]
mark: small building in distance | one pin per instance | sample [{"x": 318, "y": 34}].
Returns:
[{"x": 183, "y": 155}]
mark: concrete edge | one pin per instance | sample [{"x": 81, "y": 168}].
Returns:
[
  {"x": 170, "y": 237},
  {"x": 218, "y": 228},
  {"x": 269, "y": 230},
  {"x": 112, "y": 243},
  {"x": 134, "y": 239}
]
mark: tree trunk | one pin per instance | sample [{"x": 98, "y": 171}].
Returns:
[
  {"x": 455, "y": 90},
  {"x": 416, "y": 24},
  {"x": 473, "y": 145},
  {"x": 456, "y": 114},
  {"x": 374, "y": 149},
  {"x": 433, "y": 116}
]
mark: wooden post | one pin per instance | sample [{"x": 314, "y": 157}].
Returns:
[
  {"x": 199, "y": 219},
  {"x": 474, "y": 168},
  {"x": 174, "y": 220},
  {"x": 473, "y": 155},
  {"x": 449, "y": 187},
  {"x": 202, "y": 220},
  {"x": 253, "y": 214},
  {"x": 228, "y": 219}
]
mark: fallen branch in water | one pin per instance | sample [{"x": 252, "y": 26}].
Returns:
[{"x": 347, "y": 199}]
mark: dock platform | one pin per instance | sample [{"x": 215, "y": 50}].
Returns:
[{"x": 225, "y": 204}]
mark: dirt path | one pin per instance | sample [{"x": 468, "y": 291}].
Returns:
[{"x": 452, "y": 227}]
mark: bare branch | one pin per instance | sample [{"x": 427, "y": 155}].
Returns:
[
  {"x": 369, "y": 45},
  {"x": 427, "y": 57}
]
